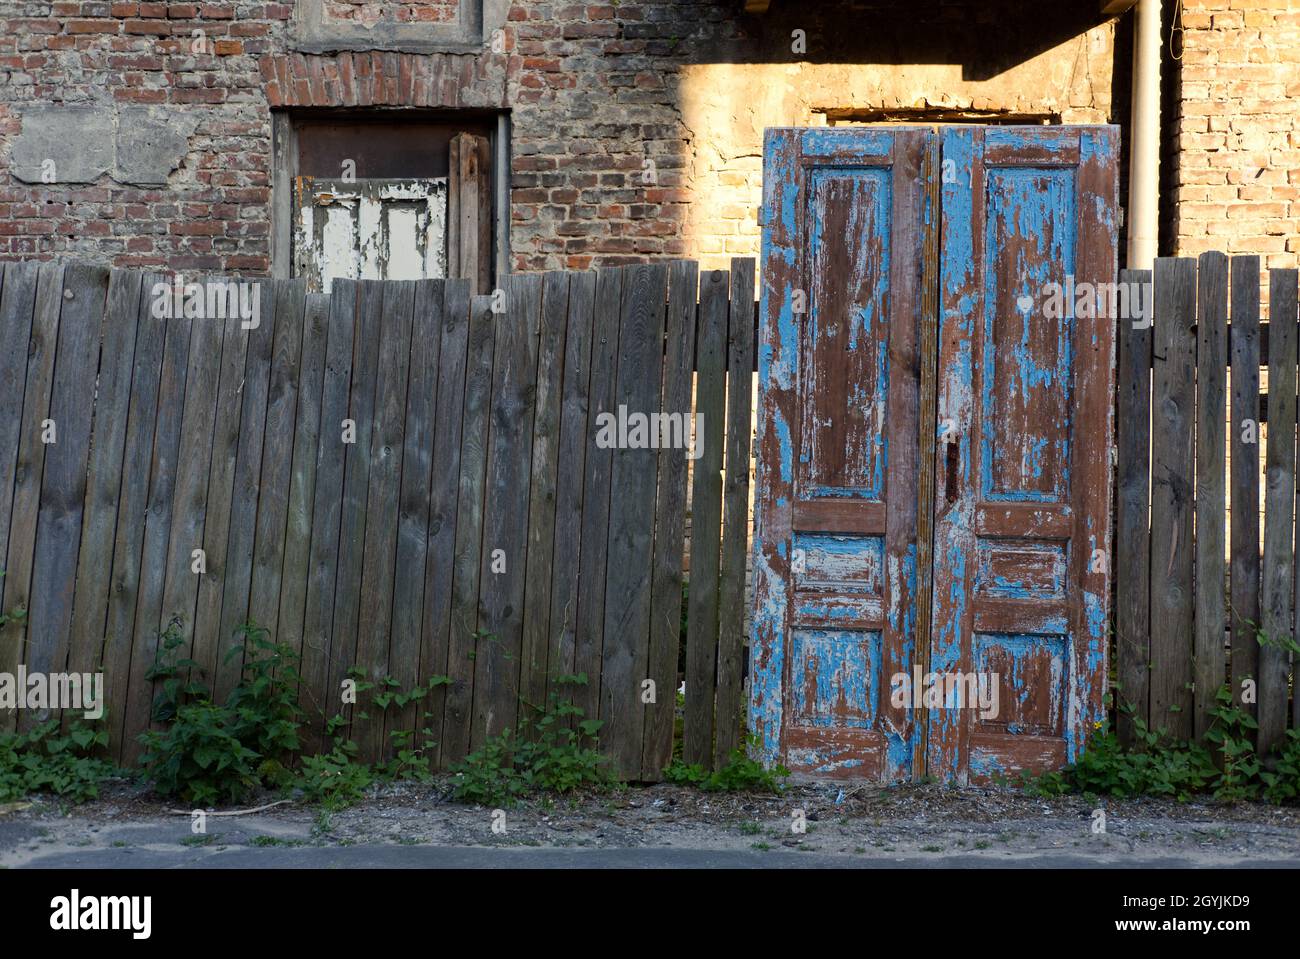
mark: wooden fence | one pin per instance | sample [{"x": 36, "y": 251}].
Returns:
[
  {"x": 399, "y": 476},
  {"x": 1201, "y": 600}
]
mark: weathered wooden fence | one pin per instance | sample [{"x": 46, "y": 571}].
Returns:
[
  {"x": 400, "y": 476},
  {"x": 1201, "y": 601}
]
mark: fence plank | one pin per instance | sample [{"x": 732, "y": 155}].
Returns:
[
  {"x": 1132, "y": 504},
  {"x": 533, "y": 664},
  {"x": 1244, "y": 436},
  {"x": 17, "y": 302},
  {"x": 104, "y": 481},
  {"x": 237, "y": 584},
  {"x": 638, "y": 390},
  {"x": 735, "y": 520},
  {"x": 463, "y": 630},
  {"x": 706, "y": 521},
  {"x": 1173, "y": 423},
  {"x": 1211, "y": 418},
  {"x": 1279, "y": 500},
  {"x": 670, "y": 522},
  {"x": 444, "y": 496},
  {"x": 505, "y": 510},
  {"x": 572, "y": 461},
  {"x": 366, "y": 341},
  {"x": 277, "y": 456},
  {"x": 157, "y": 529},
  {"x": 413, "y": 502},
  {"x": 63, "y": 481},
  {"x": 30, "y": 464},
  {"x": 590, "y": 622},
  {"x": 386, "y": 443},
  {"x": 302, "y": 484},
  {"x": 331, "y": 455},
  {"x": 194, "y": 467},
  {"x": 119, "y": 639}
]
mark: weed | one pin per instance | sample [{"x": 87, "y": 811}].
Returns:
[
  {"x": 540, "y": 754},
  {"x": 45, "y": 760},
  {"x": 741, "y": 774}
]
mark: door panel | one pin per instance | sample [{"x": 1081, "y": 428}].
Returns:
[
  {"x": 1022, "y": 531},
  {"x": 836, "y": 568}
]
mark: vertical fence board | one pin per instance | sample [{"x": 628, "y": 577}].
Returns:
[
  {"x": 63, "y": 481},
  {"x": 505, "y": 510},
  {"x": 1279, "y": 499},
  {"x": 463, "y": 629},
  {"x": 331, "y": 456},
  {"x": 735, "y": 519},
  {"x": 380, "y": 551},
  {"x": 596, "y": 493},
  {"x": 1132, "y": 505},
  {"x": 670, "y": 522},
  {"x": 706, "y": 520},
  {"x": 533, "y": 664},
  {"x": 194, "y": 466},
  {"x": 302, "y": 484},
  {"x": 630, "y": 553},
  {"x": 1211, "y": 489},
  {"x": 104, "y": 481},
  {"x": 157, "y": 530},
  {"x": 1173, "y": 423},
  {"x": 1244, "y": 435},
  {"x": 413, "y": 502},
  {"x": 277, "y": 456},
  {"x": 220, "y": 496},
  {"x": 356, "y": 481},
  {"x": 119, "y": 639},
  {"x": 237, "y": 581},
  {"x": 444, "y": 496},
  {"x": 31, "y": 462},
  {"x": 17, "y": 302},
  {"x": 571, "y": 463}
]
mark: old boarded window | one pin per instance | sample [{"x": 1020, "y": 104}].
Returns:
[{"x": 387, "y": 198}]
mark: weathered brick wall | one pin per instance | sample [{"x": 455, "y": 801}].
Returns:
[
  {"x": 1237, "y": 178},
  {"x": 636, "y": 127}
]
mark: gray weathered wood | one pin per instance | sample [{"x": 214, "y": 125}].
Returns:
[
  {"x": 320, "y": 697},
  {"x": 1243, "y": 434},
  {"x": 735, "y": 518},
  {"x": 17, "y": 301},
  {"x": 670, "y": 522},
  {"x": 356, "y": 484},
  {"x": 444, "y": 491},
  {"x": 63, "y": 481},
  {"x": 533, "y": 663},
  {"x": 1132, "y": 513},
  {"x": 119, "y": 638},
  {"x": 464, "y": 623},
  {"x": 590, "y": 622},
  {"x": 1173, "y": 432},
  {"x": 505, "y": 510},
  {"x": 386, "y": 443},
  {"x": 302, "y": 483},
  {"x": 1211, "y": 490},
  {"x": 706, "y": 521},
  {"x": 1277, "y": 585},
  {"x": 277, "y": 456},
  {"x": 638, "y": 390},
  {"x": 104, "y": 481},
  {"x": 413, "y": 503},
  {"x": 571, "y": 463}
]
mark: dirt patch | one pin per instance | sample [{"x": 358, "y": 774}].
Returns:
[{"x": 902, "y": 821}]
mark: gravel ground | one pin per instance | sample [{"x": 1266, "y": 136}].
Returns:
[{"x": 863, "y": 821}]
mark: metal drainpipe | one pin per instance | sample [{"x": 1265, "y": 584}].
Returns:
[{"x": 1144, "y": 152}]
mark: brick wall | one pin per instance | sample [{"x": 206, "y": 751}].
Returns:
[
  {"x": 1237, "y": 178},
  {"x": 636, "y": 127}
]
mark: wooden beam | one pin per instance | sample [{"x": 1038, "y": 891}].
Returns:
[
  {"x": 1113, "y": 8},
  {"x": 760, "y": 6}
]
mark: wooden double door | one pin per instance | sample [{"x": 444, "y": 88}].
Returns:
[{"x": 932, "y": 510}]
